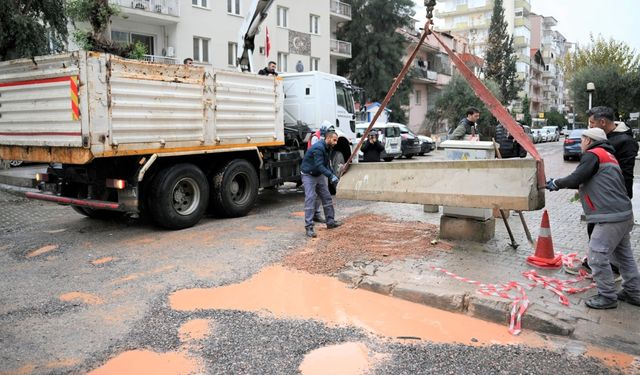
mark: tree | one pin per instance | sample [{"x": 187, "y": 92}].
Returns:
[
  {"x": 614, "y": 89},
  {"x": 31, "y": 28},
  {"x": 555, "y": 118},
  {"x": 377, "y": 50},
  {"x": 604, "y": 53},
  {"x": 526, "y": 111},
  {"x": 454, "y": 100},
  {"x": 98, "y": 14},
  {"x": 500, "y": 58}
]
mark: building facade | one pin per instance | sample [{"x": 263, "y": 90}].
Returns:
[
  {"x": 471, "y": 19},
  {"x": 553, "y": 47},
  {"x": 301, "y": 37},
  {"x": 430, "y": 71}
]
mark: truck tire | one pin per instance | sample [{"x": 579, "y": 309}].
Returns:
[
  {"x": 178, "y": 196},
  {"x": 337, "y": 161},
  {"x": 234, "y": 188},
  {"x": 97, "y": 213},
  {"x": 388, "y": 159}
]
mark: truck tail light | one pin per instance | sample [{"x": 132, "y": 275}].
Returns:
[
  {"x": 42, "y": 177},
  {"x": 116, "y": 184}
]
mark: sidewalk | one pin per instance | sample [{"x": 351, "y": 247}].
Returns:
[{"x": 495, "y": 262}]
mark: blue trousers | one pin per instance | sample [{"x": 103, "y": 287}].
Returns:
[{"x": 317, "y": 187}]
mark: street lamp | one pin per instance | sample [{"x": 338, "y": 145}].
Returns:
[{"x": 590, "y": 89}]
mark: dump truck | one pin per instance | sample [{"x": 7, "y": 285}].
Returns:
[{"x": 127, "y": 137}]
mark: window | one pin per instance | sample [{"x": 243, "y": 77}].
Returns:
[
  {"x": 200, "y": 3},
  {"x": 145, "y": 40},
  {"x": 344, "y": 97},
  {"x": 120, "y": 37},
  {"x": 233, "y": 54},
  {"x": 283, "y": 17},
  {"x": 418, "y": 97},
  {"x": 314, "y": 64},
  {"x": 125, "y": 37},
  {"x": 233, "y": 6},
  {"x": 200, "y": 49},
  {"x": 314, "y": 24},
  {"x": 283, "y": 61}
]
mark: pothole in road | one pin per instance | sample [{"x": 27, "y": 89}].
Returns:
[{"x": 286, "y": 293}]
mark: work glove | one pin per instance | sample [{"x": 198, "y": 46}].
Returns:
[
  {"x": 334, "y": 180},
  {"x": 551, "y": 185}
]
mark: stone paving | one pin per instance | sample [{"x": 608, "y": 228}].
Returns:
[{"x": 496, "y": 262}]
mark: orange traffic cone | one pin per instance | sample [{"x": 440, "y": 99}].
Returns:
[{"x": 543, "y": 256}]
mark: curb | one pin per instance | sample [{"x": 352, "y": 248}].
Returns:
[{"x": 482, "y": 307}]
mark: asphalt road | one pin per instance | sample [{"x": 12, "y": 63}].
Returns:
[{"x": 78, "y": 292}]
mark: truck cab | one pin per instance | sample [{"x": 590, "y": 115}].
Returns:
[{"x": 314, "y": 97}]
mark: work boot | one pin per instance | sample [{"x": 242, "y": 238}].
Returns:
[
  {"x": 624, "y": 296},
  {"x": 311, "y": 233},
  {"x": 335, "y": 224},
  {"x": 319, "y": 219},
  {"x": 601, "y": 302}
]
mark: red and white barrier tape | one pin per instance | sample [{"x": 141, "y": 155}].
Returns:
[{"x": 520, "y": 301}]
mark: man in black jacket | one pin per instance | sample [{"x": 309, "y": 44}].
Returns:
[
  {"x": 269, "y": 70},
  {"x": 621, "y": 138},
  {"x": 372, "y": 148},
  {"x": 466, "y": 126}
]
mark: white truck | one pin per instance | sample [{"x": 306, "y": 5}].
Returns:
[{"x": 172, "y": 141}]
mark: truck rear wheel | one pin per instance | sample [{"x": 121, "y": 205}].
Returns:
[
  {"x": 178, "y": 196},
  {"x": 235, "y": 188},
  {"x": 337, "y": 162}
]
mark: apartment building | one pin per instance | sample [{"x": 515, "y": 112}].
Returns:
[
  {"x": 471, "y": 19},
  {"x": 302, "y": 34},
  {"x": 431, "y": 70},
  {"x": 553, "y": 47}
]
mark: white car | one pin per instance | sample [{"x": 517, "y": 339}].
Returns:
[{"x": 552, "y": 133}]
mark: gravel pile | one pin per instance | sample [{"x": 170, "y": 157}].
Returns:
[{"x": 365, "y": 238}]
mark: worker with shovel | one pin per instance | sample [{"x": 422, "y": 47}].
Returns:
[{"x": 315, "y": 171}]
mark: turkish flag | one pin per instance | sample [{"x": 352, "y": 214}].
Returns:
[{"x": 267, "y": 44}]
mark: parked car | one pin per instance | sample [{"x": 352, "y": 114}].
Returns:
[
  {"x": 410, "y": 141},
  {"x": 571, "y": 145},
  {"x": 552, "y": 133},
  {"x": 426, "y": 145},
  {"x": 537, "y": 135},
  {"x": 527, "y": 131},
  {"x": 565, "y": 131},
  {"x": 388, "y": 135}
]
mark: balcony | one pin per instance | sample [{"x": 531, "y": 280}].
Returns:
[
  {"x": 548, "y": 74},
  {"x": 160, "y": 59},
  {"x": 520, "y": 41},
  {"x": 340, "y": 10},
  {"x": 340, "y": 48},
  {"x": 156, "y": 12},
  {"x": 524, "y": 4},
  {"x": 464, "y": 9},
  {"x": 424, "y": 75},
  {"x": 520, "y": 21}
]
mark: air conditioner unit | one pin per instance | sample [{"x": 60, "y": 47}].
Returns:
[{"x": 170, "y": 52}]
